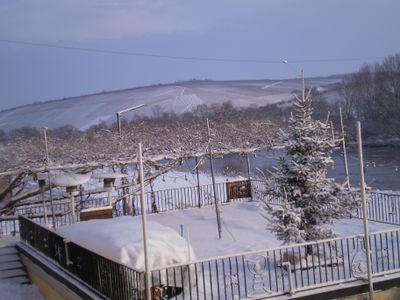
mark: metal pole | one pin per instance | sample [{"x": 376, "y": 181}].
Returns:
[
  {"x": 119, "y": 123},
  {"x": 213, "y": 182},
  {"x": 346, "y": 166},
  {"x": 198, "y": 180},
  {"x": 46, "y": 221},
  {"x": 248, "y": 166},
  {"x": 73, "y": 208},
  {"x": 49, "y": 178},
  {"x": 144, "y": 222},
  {"x": 109, "y": 198},
  {"x": 365, "y": 211}
]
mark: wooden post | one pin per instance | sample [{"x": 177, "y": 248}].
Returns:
[
  {"x": 365, "y": 211},
  {"x": 198, "y": 180},
  {"x": 213, "y": 182},
  {"x": 144, "y": 224},
  {"x": 346, "y": 166}
]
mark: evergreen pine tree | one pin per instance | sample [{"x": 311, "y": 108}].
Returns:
[{"x": 311, "y": 199}]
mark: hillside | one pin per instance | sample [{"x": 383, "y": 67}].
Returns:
[{"x": 87, "y": 110}]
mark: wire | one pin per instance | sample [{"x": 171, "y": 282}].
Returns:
[
  {"x": 192, "y": 58},
  {"x": 189, "y": 58}
]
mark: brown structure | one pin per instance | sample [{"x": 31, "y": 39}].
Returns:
[
  {"x": 96, "y": 213},
  {"x": 4, "y": 183},
  {"x": 238, "y": 189}
]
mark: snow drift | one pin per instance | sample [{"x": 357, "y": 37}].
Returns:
[{"x": 120, "y": 240}]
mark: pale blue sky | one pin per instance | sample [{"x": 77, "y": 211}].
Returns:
[{"x": 270, "y": 30}]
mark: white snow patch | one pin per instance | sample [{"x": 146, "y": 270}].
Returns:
[
  {"x": 120, "y": 239},
  {"x": 243, "y": 228}
]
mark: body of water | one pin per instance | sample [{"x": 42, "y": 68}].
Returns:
[{"x": 382, "y": 166}]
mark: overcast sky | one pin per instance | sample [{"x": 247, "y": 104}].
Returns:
[{"x": 345, "y": 31}]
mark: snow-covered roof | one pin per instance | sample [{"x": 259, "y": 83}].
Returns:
[
  {"x": 70, "y": 179},
  {"x": 109, "y": 175},
  {"x": 120, "y": 239}
]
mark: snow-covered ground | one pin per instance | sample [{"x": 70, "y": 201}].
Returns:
[{"x": 243, "y": 228}]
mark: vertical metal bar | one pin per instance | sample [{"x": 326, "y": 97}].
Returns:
[
  {"x": 363, "y": 196},
  {"x": 294, "y": 259},
  {"x": 337, "y": 260},
  {"x": 182, "y": 282},
  {"x": 224, "y": 277},
  {"x": 204, "y": 281},
  {"x": 346, "y": 165},
  {"x": 275, "y": 269},
  {"x": 211, "y": 286},
  {"x": 197, "y": 281},
  {"x": 319, "y": 264},
  {"x": 381, "y": 249},
  {"x": 376, "y": 255},
  {"x": 245, "y": 277},
  {"x": 398, "y": 249},
  {"x": 282, "y": 275},
  {"x": 387, "y": 250},
  {"x": 198, "y": 181},
  {"x": 331, "y": 258},
  {"x": 344, "y": 265},
  {"x": 213, "y": 182},
  {"x": 393, "y": 257},
  {"x": 325, "y": 262},
  {"x": 190, "y": 281},
  {"x": 218, "y": 285},
  {"x": 230, "y": 273},
  {"x": 144, "y": 223},
  {"x": 313, "y": 266},
  {"x": 238, "y": 275}
]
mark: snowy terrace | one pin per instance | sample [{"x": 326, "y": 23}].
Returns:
[{"x": 248, "y": 261}]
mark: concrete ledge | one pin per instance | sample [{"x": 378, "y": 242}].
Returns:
[
  {"x": 53, "y": 281},
  {"x": 349, "y": 290}
]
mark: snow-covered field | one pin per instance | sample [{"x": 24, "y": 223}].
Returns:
[{"x": 84, "y": 111}]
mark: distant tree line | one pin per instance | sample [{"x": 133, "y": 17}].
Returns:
[{"x": 372, "y": 95}]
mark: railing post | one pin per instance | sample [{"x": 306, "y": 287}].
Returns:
[
  {"x": 290, "y": 279},
  {"x": 198, "y": 181},
  {"x": 67, "y": 261}
]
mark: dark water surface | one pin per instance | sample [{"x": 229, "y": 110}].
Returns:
[{"x": 382, "y": 166}]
